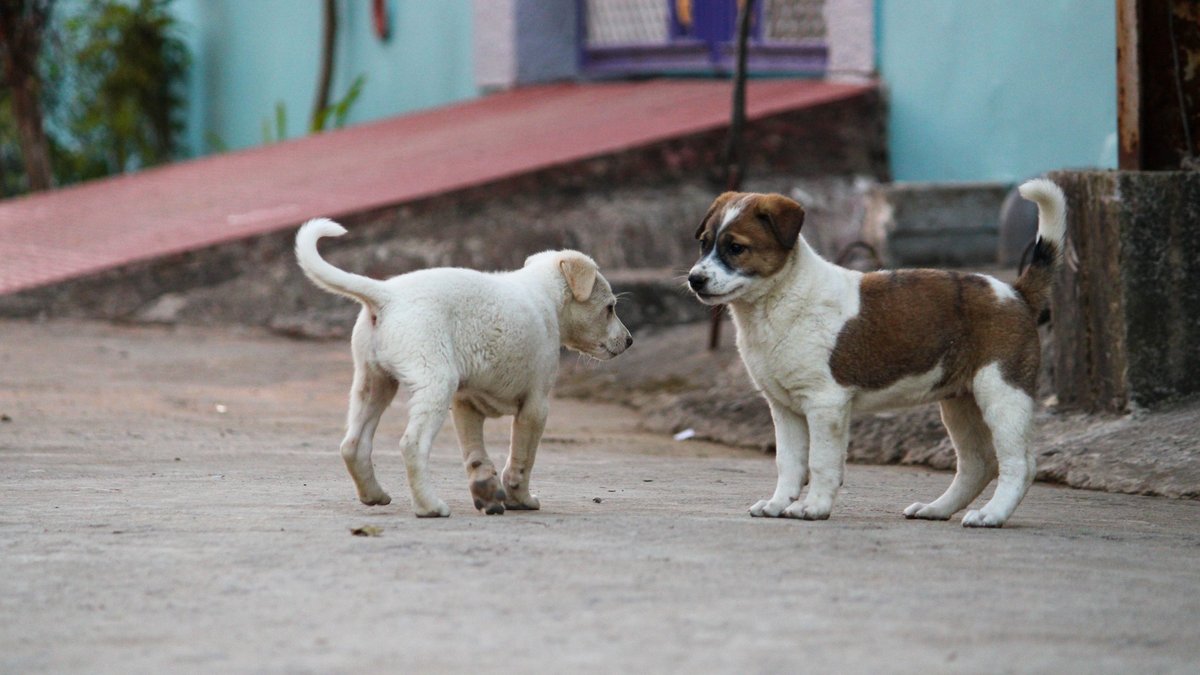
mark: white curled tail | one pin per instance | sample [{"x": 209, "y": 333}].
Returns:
[
  {"x": 1035, "y": 282},
  {"x": 1052, "y": 209},
  {"x": 332, "y": 279}
]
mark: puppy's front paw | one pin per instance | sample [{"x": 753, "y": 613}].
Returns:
[
  {"x": 981, "y": 518},
  {"x": 922, "y": 511},
  {"x": 769, "y": 508},
  {"x": 809, "y": 510},
  {"x": 437, "y": 509},
  {"x": 489, "y": 496}
]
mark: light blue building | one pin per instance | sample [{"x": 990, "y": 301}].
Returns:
[
  {"x": 998, "y": 89},
  {"x": 978, "y": 89},
  {"x": 250, "y": 55}
]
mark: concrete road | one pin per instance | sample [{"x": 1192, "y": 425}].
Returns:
[{"x": 173, "y": 501}]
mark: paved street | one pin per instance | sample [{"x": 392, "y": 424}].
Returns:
[{"x": 172, "y": 500}]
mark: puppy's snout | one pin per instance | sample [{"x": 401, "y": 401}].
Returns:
[
  {"x": 628, "y": 341},
  {"x": 697, "y": 281}
]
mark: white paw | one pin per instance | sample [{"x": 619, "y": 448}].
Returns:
[
  {"x": 437, "y": 509},
  {"x": 809, "y": 509},
  {"x": 922, "y": 511},
  {"x": 981, "y": 519},
  {"x": 380, "y": 498},
  {"x": 526, "y": 502},
  {"x": 769, "y": 508}
]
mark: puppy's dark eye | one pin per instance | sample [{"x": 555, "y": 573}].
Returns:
[
  {"x": 611, "y": 308},
  {"x": 703, "y": 244},
  {"x": 736, "y": 248}
]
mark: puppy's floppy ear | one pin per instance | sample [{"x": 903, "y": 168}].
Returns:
[
  {"x": 580, "y": 274},
  {"x": 717, "y": 204},
  {"x": 783, "y": 217}
]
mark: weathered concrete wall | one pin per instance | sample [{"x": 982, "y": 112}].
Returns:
[
  {"x": 913, "y": 224},
  {"x": 634, "y": 210},
  {"x": 1127, "y": 303}
]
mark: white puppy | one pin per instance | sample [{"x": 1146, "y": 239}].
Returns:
[
  {"x": 821, "y": 341},
  {"x": 478, "y": 344}
]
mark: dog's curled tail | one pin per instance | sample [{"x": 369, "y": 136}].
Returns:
[
  {"x": 1035, "y": 282},
  {"x": 332, "y": 279}
]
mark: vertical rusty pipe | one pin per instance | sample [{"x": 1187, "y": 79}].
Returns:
[{"x": 733, "y": 161}]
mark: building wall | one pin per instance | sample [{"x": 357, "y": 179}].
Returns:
[
  {"x": 248, "y": 55},
  {"x": 495, "y": 43},
  {"x": 998, "y": 89},
  {"x": 850, "y": 37}
]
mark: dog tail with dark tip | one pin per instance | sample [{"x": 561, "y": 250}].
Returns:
[
  {"x": 354, "y": 286},
  {"x": 1035, "y": 282}
]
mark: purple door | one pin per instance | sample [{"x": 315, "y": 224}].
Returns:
[{"x": 698, "y": 37}]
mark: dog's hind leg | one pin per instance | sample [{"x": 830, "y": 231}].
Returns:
[
  {"x": 426, "y": 413},
  {"x": 481, "y": 473},
  {"x": 976, "y": 460},
  {"x": 370, "y": 395},
  {"x": 1008, "y": 412},
  {"x": 791, "y": 460},
  {"x": 527, "y": 427}
]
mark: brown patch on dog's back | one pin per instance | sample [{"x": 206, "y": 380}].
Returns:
[{"x": 911, "y": 321}]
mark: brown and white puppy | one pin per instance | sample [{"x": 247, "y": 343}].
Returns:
[{"x": 821, "y": 341}]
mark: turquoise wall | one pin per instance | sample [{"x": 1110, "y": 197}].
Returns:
[
  {"x": 249, "y": 54},
  {"x": 998, "y": 89}
]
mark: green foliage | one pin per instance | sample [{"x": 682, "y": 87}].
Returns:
[
  {"x": 12, "y": 170},
  {"x": 280, "y": 131},
  {"x": 128, "y": 67},
  {"x": 340, "y": 109}
]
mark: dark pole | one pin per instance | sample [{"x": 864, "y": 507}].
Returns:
[
  {"x": 325, "y": 77},
  {"x": 732, "y": 160}
]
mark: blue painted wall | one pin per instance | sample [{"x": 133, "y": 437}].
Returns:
[
  {"x": 249, "y": 54},
  {"x": 998, "y": 89}
]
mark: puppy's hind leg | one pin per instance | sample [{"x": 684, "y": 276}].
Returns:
[
  {"x": 976, "y": 460},
  {"x": 481, "y": 473},
  {"x": 426, "y": 413},
  {"x": 370, "y": 395},
  {"x": 1008, "y": 412}
]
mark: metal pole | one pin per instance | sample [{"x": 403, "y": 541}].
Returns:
[{"x": 732, "y": 160}]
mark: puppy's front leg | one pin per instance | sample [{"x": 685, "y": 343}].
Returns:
[
  {"x": 481, "y": 473},
  {"x": 527, "y": 427},
  {"x": 791, "y": 460},
  {"x": 829, "y": 433}
]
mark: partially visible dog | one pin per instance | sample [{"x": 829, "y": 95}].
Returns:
[
  {"x": 478, "y": 344},
  {"x": 821, "y": 341}
]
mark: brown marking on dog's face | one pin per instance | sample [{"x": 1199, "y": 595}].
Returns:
[
  {"x": 717, "y": 209},
  {"x": 744, "y": 235},
  {"x": 912, "y": 321}
]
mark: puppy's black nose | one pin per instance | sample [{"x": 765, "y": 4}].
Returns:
[
  {"x": 628, "y": 342},
  {"x": 697, "y": 281}
]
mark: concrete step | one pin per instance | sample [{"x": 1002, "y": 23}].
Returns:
[{"x": 922, "y": 224}]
